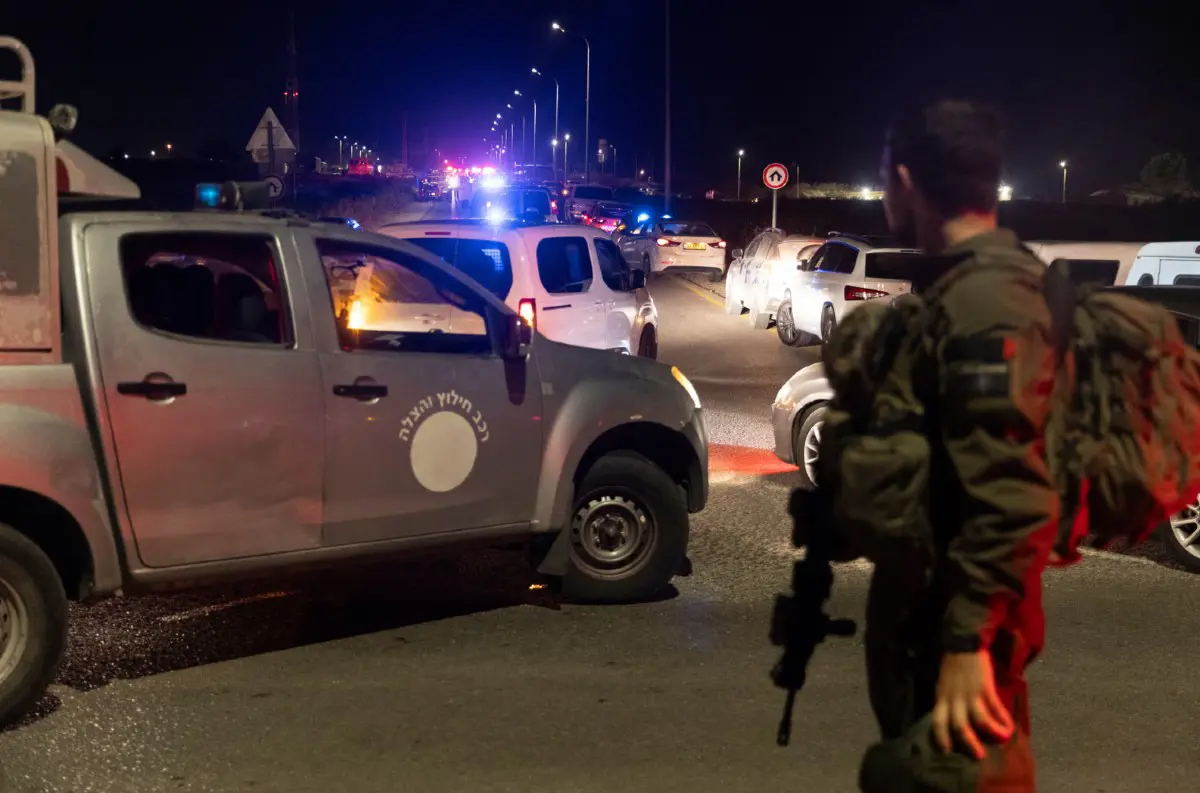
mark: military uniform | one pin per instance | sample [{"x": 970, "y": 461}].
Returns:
[{"x": 986, "y": 375}]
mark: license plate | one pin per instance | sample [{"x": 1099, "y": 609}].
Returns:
[{"x": 694, "y": 246}]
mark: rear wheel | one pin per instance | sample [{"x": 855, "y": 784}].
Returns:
[
  {"x": 1182, "y": 537},
  {"x": 33, "y": 623},
  {"x": 716, "y": 276},
  {"x": 629, "y": 531},
  {"x": 806, "y": 443}
]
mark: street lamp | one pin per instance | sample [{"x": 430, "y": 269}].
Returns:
[
  {"x": 587, "y": 99},
  {"x": 340, "y": 141},
  {"x": 1063, "y": 164},
  {"x": 555, "y": 79},
  {"x": 168, "y": 149},
  {"x": 566, "y": 158},
  {"x": 741, "y": 154},
  {"x": 523, "y": 149},
  {"x": 554, "y": 157}
]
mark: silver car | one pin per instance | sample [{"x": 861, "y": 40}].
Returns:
[{"x": 797, "y": 417}]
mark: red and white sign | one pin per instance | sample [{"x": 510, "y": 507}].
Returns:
[{"x": 775, "y": 176}]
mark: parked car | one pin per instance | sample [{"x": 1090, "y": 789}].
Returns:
[
  {"x": 658, "y": 246},
  {"x": 606, "y": 215},
  {"x": 1107, "y": 263},
  {"x": 763, "y": 276},
  {"x": 842, "y": 274},
  {"x": 798, "y": 414},
  {"x": 582, "y": 199},
  {"x": 569, "y": 281},
  {"x": 1166, "y": 264},
  {"x": 184, "y": 401}
]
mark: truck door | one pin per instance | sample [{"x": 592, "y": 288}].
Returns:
[
  {"x": 569, "y": 309},
  {"x": 426, "y": 432},
  {"x": 212, "y": 391}
]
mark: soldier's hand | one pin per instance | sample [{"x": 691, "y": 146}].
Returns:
[{"x": 966, "y": 699}]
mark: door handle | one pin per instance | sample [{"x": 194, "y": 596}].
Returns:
[
  {"x": 363, "y": 391},
  {"x": 151, "y": 390},
  {"x": 554, "y": 308}
]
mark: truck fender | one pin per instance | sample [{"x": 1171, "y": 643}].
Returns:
[{"x": 52, "y": 456}]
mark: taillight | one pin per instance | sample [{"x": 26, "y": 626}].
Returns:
[
  {"x": 527, "y": 310},
  {"x": 718, "y": 244},
  {"x": 553, "y": 205},
  {"x": 663, "y": 242},
  {"x": 858, "y": 293},
  {"x": 585, "y": 218}
]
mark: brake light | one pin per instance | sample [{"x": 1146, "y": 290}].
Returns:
[
  {"x": 663, "y": 242},
  {"x": 859, "y": 293},
  {"x": 527, "y": 310},
  {"x": 718, "y": 244},
  {"x": 585, "y": 218},
  {"x": 553, "y": 205}
]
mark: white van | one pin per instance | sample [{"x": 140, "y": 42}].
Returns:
[
  {"x": 1166, "y": 264},
  {"x": 1105, "y": 263}
]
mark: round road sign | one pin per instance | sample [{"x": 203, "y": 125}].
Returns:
[
  {"x": 275, "y": 185},
  {"x": 775, "y": 175}
]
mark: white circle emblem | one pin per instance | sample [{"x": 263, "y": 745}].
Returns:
[{"x": 443, "y": 451}]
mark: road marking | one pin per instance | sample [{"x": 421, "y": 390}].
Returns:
[{"x": 709, "y": 296}]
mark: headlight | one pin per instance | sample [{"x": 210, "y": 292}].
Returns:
[{"x": 681, "y": 378}]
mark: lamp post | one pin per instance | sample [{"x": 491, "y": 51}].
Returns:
[
  {"x": 524, "y": 149},
  {"x": 1063, "y": 164},
  {"x": 587, "y": 100},
  {"x": 340, "y": 141},
  {"x": 566, "y": 157},
  {"x": 554, "y": 157},
  {"x": 555, "y": 79},
  {"x": 741, "y": 154}
]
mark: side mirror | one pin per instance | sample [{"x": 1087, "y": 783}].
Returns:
[
  {"x": 637, "y": 279},
  {"x": 516, "y": 337},
  {"x": 737, "y": 253}
]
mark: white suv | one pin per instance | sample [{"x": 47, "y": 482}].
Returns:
[
  {"x": 843, "y": 273},
  {"x": 569, "y": 282}
]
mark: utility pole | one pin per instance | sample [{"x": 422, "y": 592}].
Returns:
[
  {"x": 404, "y": 141},
  {"x": 667, "y": 69}
]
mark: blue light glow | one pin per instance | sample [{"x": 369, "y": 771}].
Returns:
[
  {"x": 208, "y": 195},
  {"x": 642, "y": 218},
  {"x": 352, "y": 223}
]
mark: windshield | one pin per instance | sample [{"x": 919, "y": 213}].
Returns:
[{"x": 686, "y": 229}]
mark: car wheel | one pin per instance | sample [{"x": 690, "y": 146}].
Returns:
[
  {"x": 629, "y": 531},
  {"x": 1182, "y": 537},
  {"x": 716, "y": 276},
  {"x": 646, "y": 268},
  {"x": 33, "y": 623},
  {"x": 806, "y": 443},
  {"x": 828, "y": 324},
  {"x": 648, "y": 346},
  {"x": 785, "y": 325}
]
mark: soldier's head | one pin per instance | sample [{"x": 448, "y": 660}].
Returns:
[{"x": 941, "y": 162}]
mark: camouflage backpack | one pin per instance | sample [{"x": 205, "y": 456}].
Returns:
[{"x": 1122, "y": 439}]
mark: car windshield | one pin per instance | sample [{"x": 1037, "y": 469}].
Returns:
[{"x": 687, "y": 229}]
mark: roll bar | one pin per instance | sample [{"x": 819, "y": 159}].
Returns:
[{"x": 19, "y": 89}]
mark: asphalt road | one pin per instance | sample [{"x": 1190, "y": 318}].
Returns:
[{"x": 452, "y": 676}]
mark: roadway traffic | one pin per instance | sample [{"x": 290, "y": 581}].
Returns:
[{"x": 452, "y": 674}]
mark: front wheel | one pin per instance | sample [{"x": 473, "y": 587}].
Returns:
[
  {"x": 828, "y": 325},
  {"x": 806, "y": 443},
  {"x": 33, "y": 623},
  {"x": 1182, "y": 537},
  {"x": 629, "y": 531}
]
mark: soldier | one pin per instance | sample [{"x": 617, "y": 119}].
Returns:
[{"x": 947, "y": 647}]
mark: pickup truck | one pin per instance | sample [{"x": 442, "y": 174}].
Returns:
[{"x": 187, "y": 398}]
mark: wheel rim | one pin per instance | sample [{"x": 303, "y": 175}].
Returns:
[
  {"x": 613, "y": 536},
  {"x": 784, "y": 324},
  {"x": 1185, "y": 527},
  {"x": 14, "y": 628},
  {"x": 811, "y": 450}
]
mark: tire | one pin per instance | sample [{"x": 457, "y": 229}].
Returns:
[
  {"x": 785, "y": 326},
  {"x": 716, "y": 276},
  {"x": 828, "y": 324},
  {"x": 803, "y": 431},
  {"x": 639, "y": 499},
  {"x": 646, "y": 268},
  {"x": 33, "y": 624},
  {"x": 648, "y": 344},
  {"x": 1178, "y": 531}
]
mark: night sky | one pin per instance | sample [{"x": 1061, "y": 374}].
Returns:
[{"x": 812, "y": 83}]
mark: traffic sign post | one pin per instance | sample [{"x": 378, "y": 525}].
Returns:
[
  {"x": 274, "y": 186},
  {"x": 775, "y": 177}
]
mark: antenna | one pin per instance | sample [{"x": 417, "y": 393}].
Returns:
[{"x": 291, "y": 89}]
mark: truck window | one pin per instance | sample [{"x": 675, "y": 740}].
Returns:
[
  {"x": 613, "y": 269},
  {"x": 564, "y": 265},
  {"x": 384, "y": 300},
  {"x": 202, "y": 285}
]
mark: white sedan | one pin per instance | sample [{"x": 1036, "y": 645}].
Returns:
[
  {"x": 656, "y": 246},
  {"x": 762, "y": 276}
]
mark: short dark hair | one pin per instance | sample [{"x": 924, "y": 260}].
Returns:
[{"x": 952, "y": 149}]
